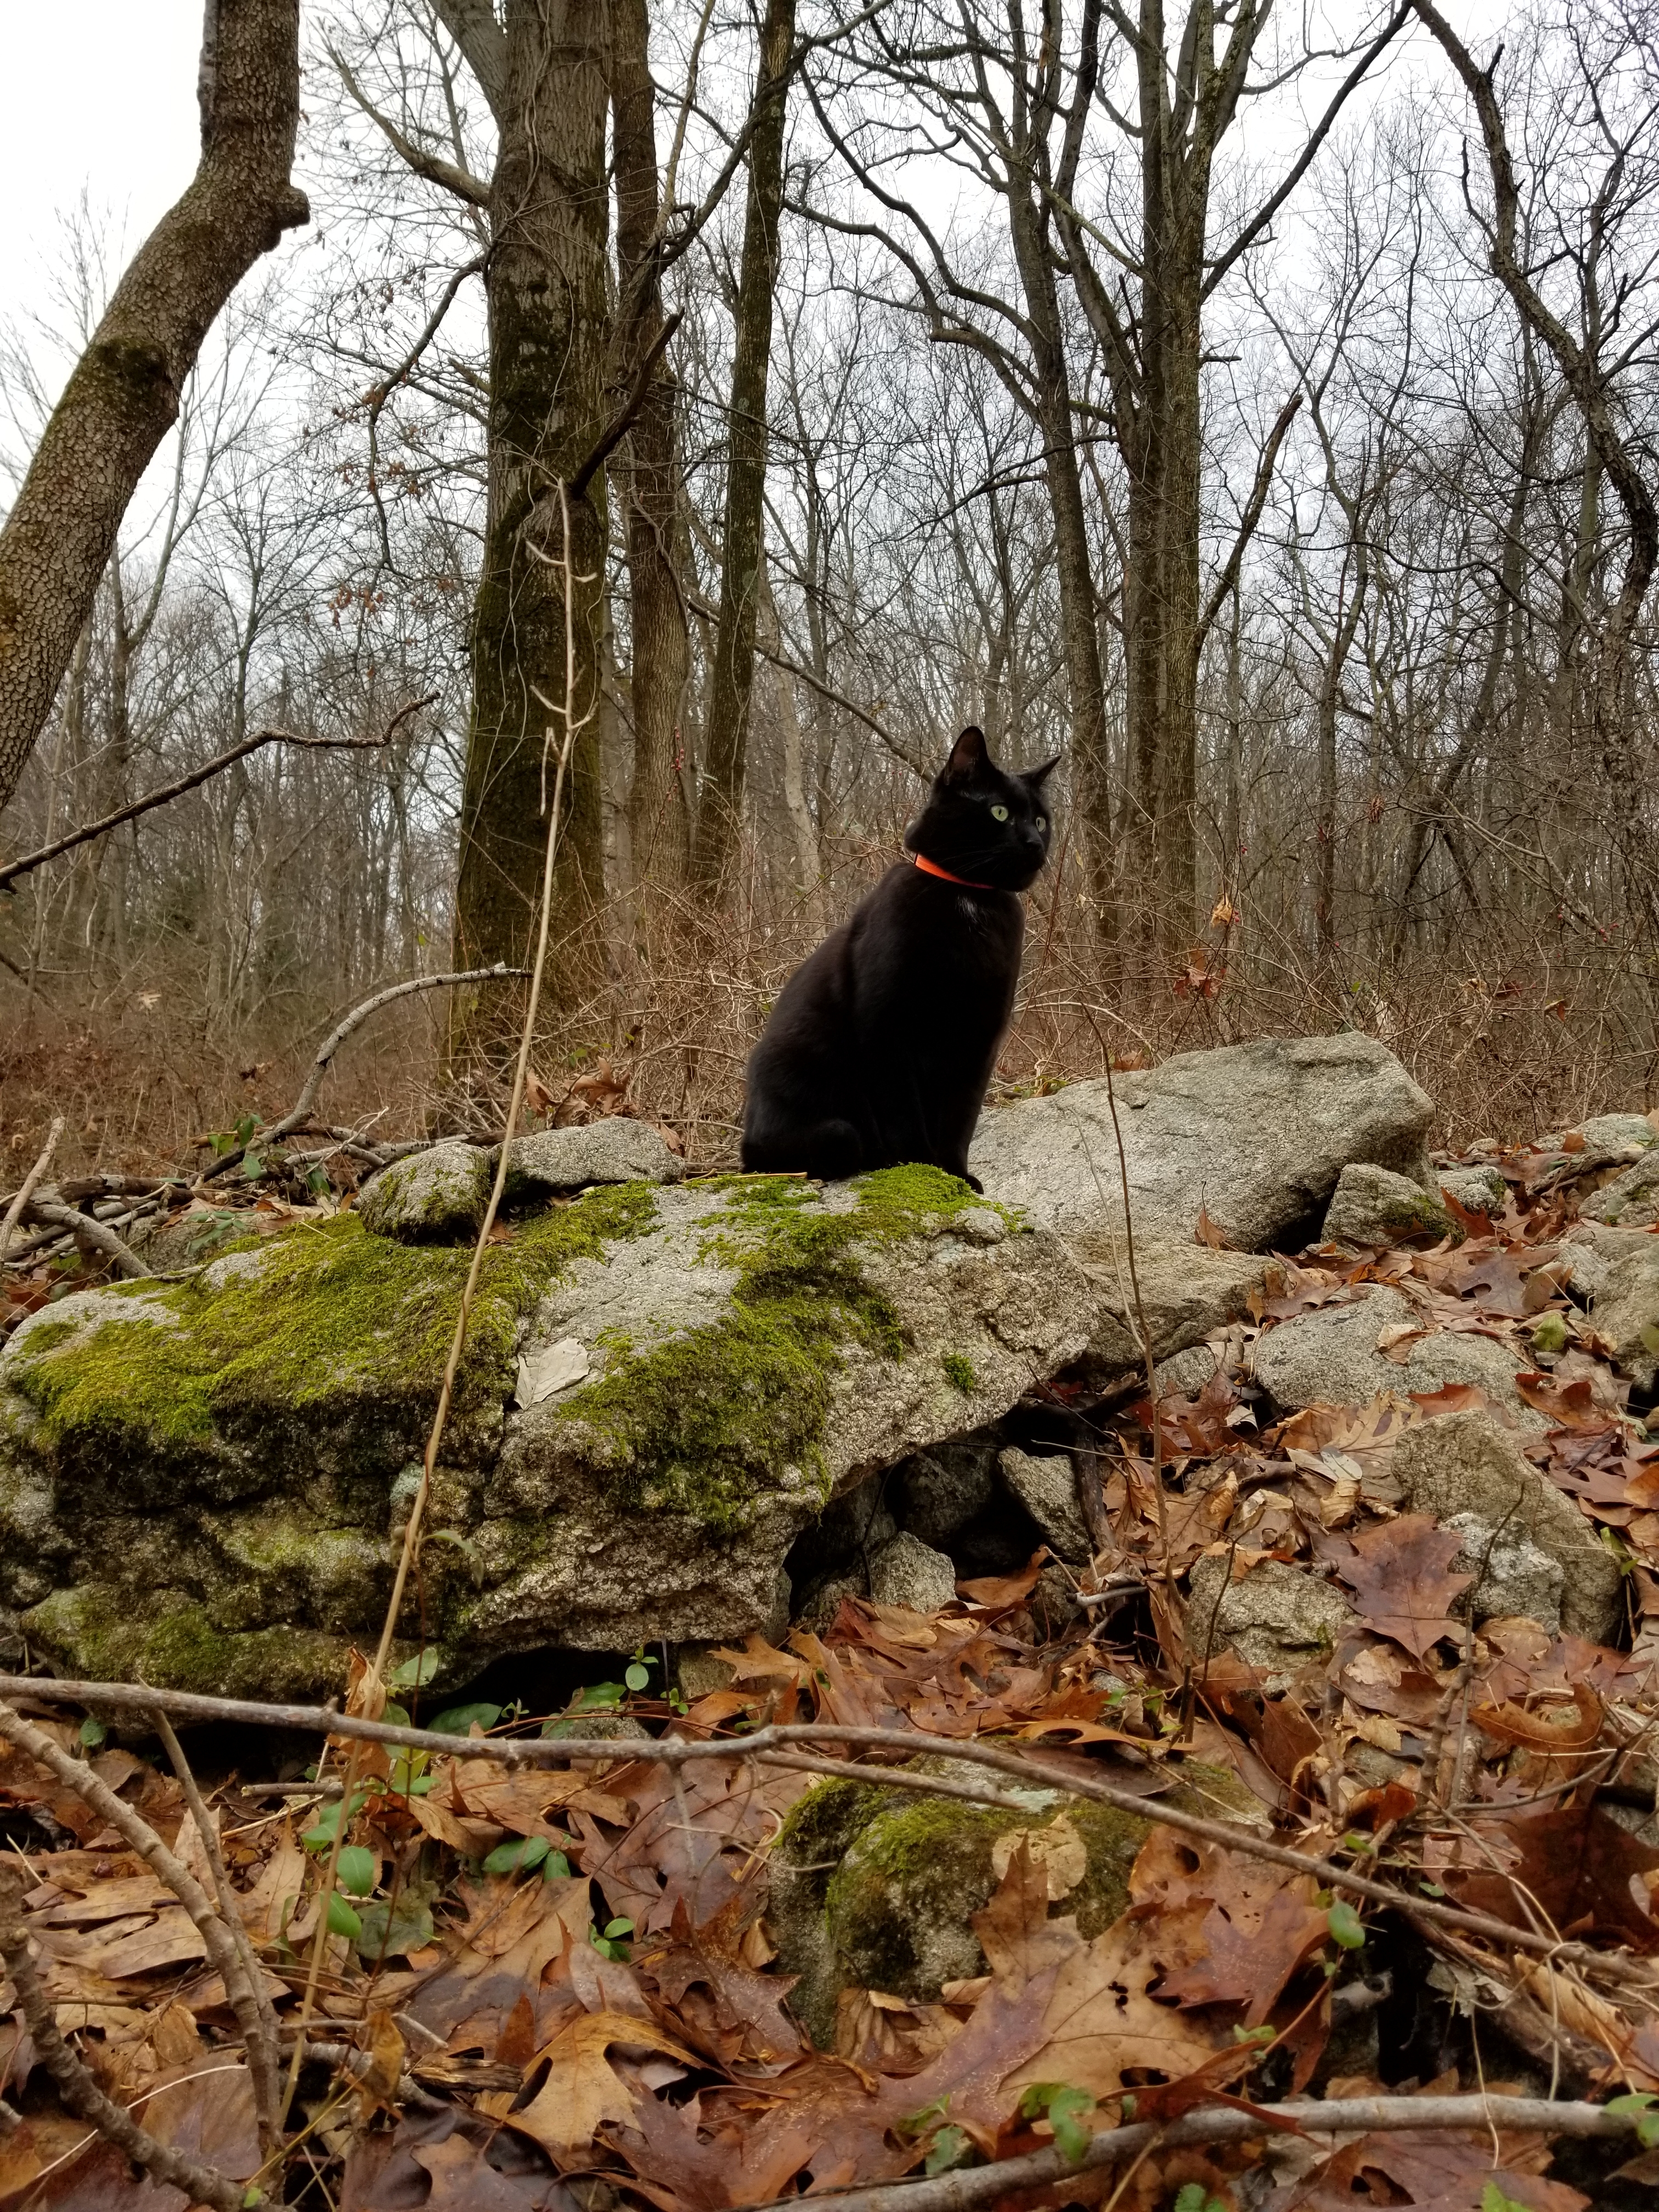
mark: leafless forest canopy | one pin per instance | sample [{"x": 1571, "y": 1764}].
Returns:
[{"x": 1243, "y": 403}]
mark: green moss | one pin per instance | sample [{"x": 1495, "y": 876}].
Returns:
[
  {"x": 44, "y": 1337},
  {"x": 327, "y": 1311},
  {"x": 959, "y": 1371},
  {"x": 92, "y": 1631},
  {"x": 703, "y": 1423}
]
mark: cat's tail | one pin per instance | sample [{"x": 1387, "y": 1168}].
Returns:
[{"x": 831, "y": 1151}]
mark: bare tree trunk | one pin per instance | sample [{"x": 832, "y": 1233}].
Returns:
[
  {"x": 659, "y": 827},
  {"x": 124, "y": 394},
  {"x": 719, "y": 806},
  {"x": 549, "y": 328}
]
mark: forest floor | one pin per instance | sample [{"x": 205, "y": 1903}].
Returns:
[{"x": 554, "y": 1986}]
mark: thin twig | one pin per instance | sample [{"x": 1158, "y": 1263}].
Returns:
[
  {"x": 536, "y": 1751},
  {"x": 992, "y": 2185},
  {"x": 202, "y": 2185},
  {"x": 14, "y": 1210},
  {"x": 299, "y": 1112},
  {"x": 164, "y": 793},
  {"x": 250, "y": 2001}
]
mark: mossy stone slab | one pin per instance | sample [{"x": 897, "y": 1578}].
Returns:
[{"x": 202, "y": 1482}]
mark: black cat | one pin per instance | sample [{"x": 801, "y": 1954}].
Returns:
[{"x": 881, "y": 1045}]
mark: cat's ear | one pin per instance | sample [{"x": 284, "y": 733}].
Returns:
[
  {"x": 968, "y": 757},
  {"x": 1037, "y": 776}
]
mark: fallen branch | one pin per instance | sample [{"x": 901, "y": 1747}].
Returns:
[
  {"x": 164, "y": 793},
  {"x": 94, "y": 1232},
  {"x": 202, "y": 2185},
  {"x": 255, "y": 2014},
  {"x": 215, "y": 1935},
  {"x": 26, "y": 1190},
  {"x": 299, "y": 1112},
  {"x": 1421, "y": 2115},
  {"x": 557, "y": 1751}
]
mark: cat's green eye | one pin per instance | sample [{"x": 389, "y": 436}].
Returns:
[
  {"x": 1042, "y": 822},
  {"x": 999, "y": 814}
]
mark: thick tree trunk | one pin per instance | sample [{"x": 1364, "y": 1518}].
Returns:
[
  {"x": 123, "y": 396},
  {"x": 549, "y": 328},
  {"x": 719, "y": 806},
  {"x": 658, "y": 825}
]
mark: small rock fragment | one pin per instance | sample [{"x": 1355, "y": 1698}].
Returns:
[
  {"x": 1627, "y": 1312},
  {"x": 1047, "y": 1488},
  {"x": 1477, "y": 1191},
  {"x": 1631, "y": 1201},
  {"x": 1513, "y": 1576},
  {"x": 1330, "y": 1356},
  {"x": 909, "y": 1572},
  {"x": 1465, "y": 1463},
  {"x": 616, "y": 1150},
  {"x": 434, "y": 1197},
  {"x": 1374, "y": 1206},
  {"x": 1278, "y": 1618}
]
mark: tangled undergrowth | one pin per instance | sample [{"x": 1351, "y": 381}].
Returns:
[{"x": 559, "y": 1987}]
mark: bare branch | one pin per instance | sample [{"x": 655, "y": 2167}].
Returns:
[
  {"x": 25, "y": 1191},
  {"x": 433, "y": 167}
]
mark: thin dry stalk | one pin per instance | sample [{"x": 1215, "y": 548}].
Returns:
[
  {"x": 202, "y": 2185},
  {"x": 458, "y": 1342}
]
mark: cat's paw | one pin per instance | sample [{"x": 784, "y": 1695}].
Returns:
[{"x": 972, "y": 1184}]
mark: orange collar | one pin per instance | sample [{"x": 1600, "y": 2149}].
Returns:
[{"x": 932, "y": 868}]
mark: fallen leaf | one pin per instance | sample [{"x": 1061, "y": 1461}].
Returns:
[
  {"x": 1398, "y": 1574},
  {"x": 582, "y": 2090}
]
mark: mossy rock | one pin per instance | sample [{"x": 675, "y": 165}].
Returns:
[
  {"x": 236, "y": 1448},
  {"x": 874, "y": 1887}
]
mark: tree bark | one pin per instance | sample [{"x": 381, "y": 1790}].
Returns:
[
  {"x": 124, "y": 394},
  {"x": 719, "y": 806},
  {"x": 658, "y": 825},
  {"x": 549, "y": 330}
]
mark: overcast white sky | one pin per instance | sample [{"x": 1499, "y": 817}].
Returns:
[{"x": 99, "y": 93}]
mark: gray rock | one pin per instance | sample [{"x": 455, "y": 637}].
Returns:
[
  {"x": 1513, "y": 1575},
  {"x": 1477, "y": 1191},
  {"x": 1631, "y": 1201},
  {"x": 1608, "y": 1138},
  {"x": 1375, "y": 1205},
  {"x": 939, "y": 1492},
  {"x": 1328, "y": 1357},
  {"x": 1256, "y": 1135},
  {"x": 1278, "y": 1618},
  {"x": 616, "y": 1150},
  {"x": 1467, "y": 1464},
  {"x": 1186, "y": 1373},
  {"x": 1188, "y": 1293},
  {"x": 1047, "y": 1488},
  {"x": 1591, "y": 1250},
  {"x": 435, "y": 1197},
  {"x": 909, "y": 1572},
  {"x": 1627, "y": 1312}
]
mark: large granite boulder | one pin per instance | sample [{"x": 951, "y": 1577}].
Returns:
[
  {"x": 203, "y": 1482},
  {"x": 1256, "y": 1136}
]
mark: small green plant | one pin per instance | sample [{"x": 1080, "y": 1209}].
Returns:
[
  {"x": 519, "y": 1857},
  {"x": 93, "y": 1733},
  {"x": 1550, "y": 1333},
  {"x": 612, "y": 1942},
  {"x": 959, "y": 1371},
  {"x": 951, "y": 2147},
  {"x": 1346, "y": 1926},
  {"x": 638, "y": 1674},
  {"x": 1643, "y": 2102},
  {"x": 460, "y": 1720},
  {"x": 414, "y": 1673},
  {"x": 1065, "y": 2109},
  {"x": 1191, "y": 2197},
  {"x": 357, "y": 1869}
]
